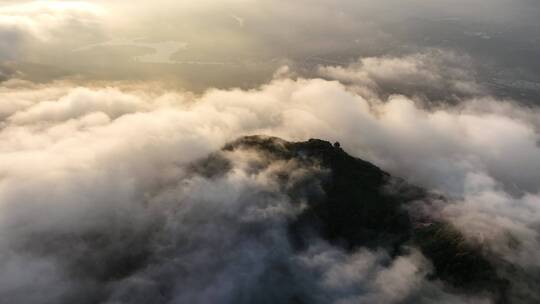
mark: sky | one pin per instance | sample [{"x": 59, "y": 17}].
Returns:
[
  {"x": 240, "y": 43},
  {"x": 105, "y": 106}
]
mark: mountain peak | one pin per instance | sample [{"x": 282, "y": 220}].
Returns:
[{"x": 364, "y": 206}]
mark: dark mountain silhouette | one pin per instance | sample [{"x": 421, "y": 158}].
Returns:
[{"x": 363, "y": 206}]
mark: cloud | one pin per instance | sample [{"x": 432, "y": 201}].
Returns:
[
  {"x": 366, "y": 277},
  {"x": 49, "y": 22},
  {"x": 220, "y": 53},
  {"x": 99, "y": 201},
  {"x": 7, "y": 72},
  {"x": 491, "y": 216},
  {"x": 434, "y": 75},
  {"x": 362, "y": 278}
]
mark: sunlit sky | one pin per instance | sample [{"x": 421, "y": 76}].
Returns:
[{"x": 199, "y": 44}]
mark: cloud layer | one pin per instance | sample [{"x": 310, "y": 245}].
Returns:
[{"x": 95, "y": 181}]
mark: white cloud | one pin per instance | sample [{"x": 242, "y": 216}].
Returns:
[
  {"x": 435, "y": 73},
  {"x": 46, "y": 22},
  {"x": 80, "y": 162}
]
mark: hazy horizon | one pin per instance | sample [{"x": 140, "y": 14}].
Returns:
[{"x": 107, "y": 106}]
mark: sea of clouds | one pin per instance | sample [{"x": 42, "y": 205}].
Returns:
[{"x": 99, "y": 202}]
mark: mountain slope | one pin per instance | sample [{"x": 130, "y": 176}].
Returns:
[{"x": 363, "y": 206}]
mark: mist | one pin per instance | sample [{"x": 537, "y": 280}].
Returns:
[
  {"x": 100, "y": 201},
  {"x": 240, "y": 43},
  {"x": 115, "y": 186}
]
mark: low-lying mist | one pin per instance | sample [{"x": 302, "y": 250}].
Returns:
[{"x": 103, "y": 198}]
